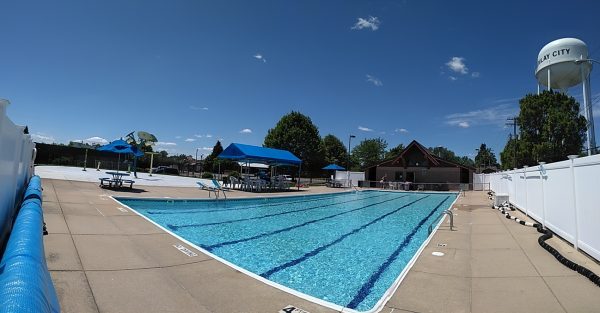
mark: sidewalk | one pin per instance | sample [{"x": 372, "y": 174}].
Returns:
[{"x": 103, "y": 259}]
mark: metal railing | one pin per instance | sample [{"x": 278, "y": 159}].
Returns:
[{"x": 447, "y": 212}]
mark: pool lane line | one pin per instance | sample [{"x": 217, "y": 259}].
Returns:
[
  {"x": 176, "y": 227},
  {"x": 320, "y": 249},
  {"x": 196, "y": 210},
  {"x": 364, "y": 291},
  {"x": 227, "y": 243}
]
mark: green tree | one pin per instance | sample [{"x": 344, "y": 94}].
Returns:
[
  {"x": 296, "y": 133},
  {"x": 334, "y": 150},
  {"x": 485, "y": 157},
  {"x": 369, "y": 152},
  {"x": 449, "y": 155},
  {"x": 395, "y": 151},
  {"x": 551, "y": 128}
]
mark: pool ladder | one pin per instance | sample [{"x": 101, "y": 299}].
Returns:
[{"x": 447, "y": 212}]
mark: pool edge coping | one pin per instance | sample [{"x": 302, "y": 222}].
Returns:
[{"x": 379, "y": 305}]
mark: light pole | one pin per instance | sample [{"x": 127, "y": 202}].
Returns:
[
  {"x": 348, "y": 164},
  {"x": 196, "y": 165}
]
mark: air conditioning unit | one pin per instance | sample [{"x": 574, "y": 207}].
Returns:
[{"x": 500, "y": 198}]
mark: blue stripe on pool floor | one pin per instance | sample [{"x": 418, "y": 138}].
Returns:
[
  {"x": 176, "y": 227},
  {"x": 339, "y": 239},
  {"x": 364, "y": 291},
  {"x": 198, "y": 210},
  {"x": 222, "y": 244}
]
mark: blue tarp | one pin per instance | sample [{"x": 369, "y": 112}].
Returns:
[{"x": 255, "y": 154}]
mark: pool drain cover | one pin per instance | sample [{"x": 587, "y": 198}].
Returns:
[{"x": 441, "y": 244}]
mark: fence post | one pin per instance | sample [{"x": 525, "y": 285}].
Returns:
[
  {"x": 526, "y": 202},
  {"x": 514, "y": 182},
  {"x": 542, "y": 170},
  {"x": 575, "y": 209}
]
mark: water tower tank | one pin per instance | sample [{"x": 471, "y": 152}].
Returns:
[{"x": 556, "y": 64}]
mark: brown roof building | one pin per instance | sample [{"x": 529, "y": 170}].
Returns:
[{"x": 423, "y": 170}]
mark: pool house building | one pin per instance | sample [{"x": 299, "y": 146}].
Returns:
[{"x": 423, "y": 170}]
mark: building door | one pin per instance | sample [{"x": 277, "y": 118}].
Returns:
[
  {"x": 410, "y": 176},
  {"x": 464, "y": 176}
]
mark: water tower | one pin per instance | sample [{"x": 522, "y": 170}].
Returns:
[{"x": 564, "y": 63}]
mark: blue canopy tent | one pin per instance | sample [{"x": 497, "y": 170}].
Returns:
[
  {"x": 333, "y": 167},
  {"x": 255, "y": 154},
  {"x": 120, "y": 146}
]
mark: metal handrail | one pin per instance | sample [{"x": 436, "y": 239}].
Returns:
[{"x": 449, "y": 213}]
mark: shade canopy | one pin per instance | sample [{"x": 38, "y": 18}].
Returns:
[
  {"x": 121, "y": 147},
  {"x": 256, "y": 154},
  {"x": 333, "y": 167}
]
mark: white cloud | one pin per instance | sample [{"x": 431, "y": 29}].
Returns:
[
  {"x": 162, "y": 144},
  {"x": 197, "y": 108},
  {"x": 371, "y": 22},
  {"x": 95, "y": 141},
  {"x": 260, "y": 57},
  {"x": 190, "y": 140},
  {"x": 177, "y": 137},
  {"x": 42, "y": 138},
  {"x": 457, "y": 65},
  {"x": 365, "y": 129},
  {"x": 246, "y": 131},
  {"x": 209, "y": 149},
  {"x": 198, "y": 136},
  {"x": 495, "y": 115},
  {"x": 401, "y": 130},
  {"x": 452, "y": 78},
  {"x": 374, "y": 80},
  {"x": 208, "y": 136},
  {"x": 475, "y": 74}
]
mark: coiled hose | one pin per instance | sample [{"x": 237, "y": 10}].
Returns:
[{"x": 547, "y": 234}]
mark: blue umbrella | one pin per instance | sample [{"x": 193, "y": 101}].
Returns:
[
  {"x": 120, "y": 146},
  {"x": 334, "y": 167}
]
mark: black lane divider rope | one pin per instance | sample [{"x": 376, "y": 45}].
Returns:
[
  {"x": 175, "y": 227},
  {"x": 196, "y": 210},
  {"x": 320, "y": 249},
  {"x": 547, "y": 234},
  {"x": 364, "y": 291},
  {"x": 222, "y": 244}
]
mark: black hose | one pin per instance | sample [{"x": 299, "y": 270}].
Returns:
[{"x": 547, "y": 234}]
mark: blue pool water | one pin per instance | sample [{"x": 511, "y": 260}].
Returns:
[{"x": 346, "y": 248}]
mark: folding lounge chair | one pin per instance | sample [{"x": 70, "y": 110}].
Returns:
[{"x": 210, "y": 187}]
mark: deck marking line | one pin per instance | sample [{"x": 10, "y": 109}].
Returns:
[{"x": 185, "y": 250}]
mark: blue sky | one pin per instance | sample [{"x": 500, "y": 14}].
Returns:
[{"x": 442, "y": 72}]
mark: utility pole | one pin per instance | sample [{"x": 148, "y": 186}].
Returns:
[{"x": 513, "y": 122}]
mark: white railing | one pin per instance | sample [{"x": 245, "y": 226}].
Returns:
[
  {"x": 564, "y": 196},
  {"x": 17, "y": 152}
]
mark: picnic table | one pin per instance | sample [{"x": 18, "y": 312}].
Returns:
[{"x": 116, "y": 180}]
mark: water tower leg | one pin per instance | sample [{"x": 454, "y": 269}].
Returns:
[
  {"x": 548, "y": 79},
  {"x": 587, "y": 104}
]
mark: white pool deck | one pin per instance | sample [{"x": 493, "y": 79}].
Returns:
[{"x": 103, "y": 258}]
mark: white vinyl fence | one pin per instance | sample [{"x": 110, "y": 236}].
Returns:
[
  {"x": 564, "y": 196},
  {"x": 16, "y": 164}
]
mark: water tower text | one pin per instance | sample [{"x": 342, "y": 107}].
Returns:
[{"x": 554, "y": 53}]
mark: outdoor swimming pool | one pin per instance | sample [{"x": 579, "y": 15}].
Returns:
[{"x": 346, "y": 249}]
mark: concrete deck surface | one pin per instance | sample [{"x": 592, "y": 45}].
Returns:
[{"x": 103, "y": 259}]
